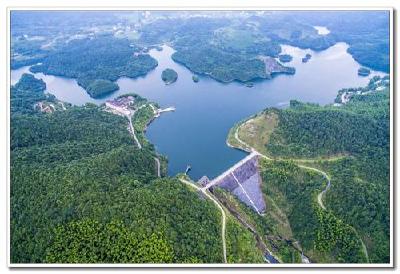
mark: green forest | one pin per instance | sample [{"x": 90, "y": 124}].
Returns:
[
  {"x": 351, "y": 144},
  {"x": 169, "y": 76},
  {"x": 93, "y": 187},
  {"x": 82, "y": 191},
  {"x": 321, "y": 235},
  {"x": 224, "y": 48},
  {"x": 96, "y": 63}
]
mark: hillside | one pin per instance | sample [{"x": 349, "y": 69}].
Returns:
[
  {"x": 96, "y": 63},
  {"x": 347, "y": 141},
  {"x": 99, "y": 197}
]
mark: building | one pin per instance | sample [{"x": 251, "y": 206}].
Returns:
[{"x": 121, "y": 105}]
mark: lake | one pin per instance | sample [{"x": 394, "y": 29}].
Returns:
[{"x": 195, "y": 134}]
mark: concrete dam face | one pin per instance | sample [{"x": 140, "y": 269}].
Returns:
[{"x": 244, "y": 181}]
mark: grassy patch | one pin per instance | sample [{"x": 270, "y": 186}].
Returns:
[{"x": 257, "y": 131}]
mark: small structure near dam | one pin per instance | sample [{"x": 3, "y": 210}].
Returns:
[{"x": 244, "y": 181}]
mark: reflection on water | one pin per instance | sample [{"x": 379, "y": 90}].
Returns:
[{"x": 196, "y": 132}]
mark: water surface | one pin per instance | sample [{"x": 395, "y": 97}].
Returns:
[{"x": 196, "y": 132}]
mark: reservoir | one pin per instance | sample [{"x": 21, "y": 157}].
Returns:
[{"x": 195, "y": 134}]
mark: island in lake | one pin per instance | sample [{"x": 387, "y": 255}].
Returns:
[
  {"x": 264, "y": 160},
  {"x": 306, "y": 58},
  {"x": 100, "y": 87},
  {"x": 364, "y": 71},
  {"x": 195, "y": 78},
  {"x": 169, "y": 76},
  {"x": 285, "y": 58}
]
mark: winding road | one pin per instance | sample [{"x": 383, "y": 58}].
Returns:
[
  {"x": 223, "y": 218},
  {"x": 328, "y": 185},
  {"x": 246, "y": 147}
]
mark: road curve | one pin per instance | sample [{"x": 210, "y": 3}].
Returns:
[
  {"x": 247, "y": 147},
  {"x": 328, "y": 185},
  {"x": 220, "y": 208}
]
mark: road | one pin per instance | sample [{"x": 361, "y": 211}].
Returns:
[
  {"x": 247, "y": 147},
  {"x": 62, "y": 105},
  {"x": 223, "y": 218},
  {"x": 328, "y": 185},
  {"x": 133, "y": 131},
  {"x": 158, "y": 166},
  {"x": 131, "y": 126}
]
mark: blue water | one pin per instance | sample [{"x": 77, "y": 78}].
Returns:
[{"x": 196, "y": 132}]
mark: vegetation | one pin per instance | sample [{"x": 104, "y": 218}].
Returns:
[
  {"x": 218, "y": 64},
  {"x": 195, "y": 78},
  {"x": 113, "y": 242},
  {"x": 351, "y": 144},
  {"x": 302, "y": 134},
  {"x": 241, "y": 245},
  {"x": 334, "y": 235},
  {"x": 169, "y": 76},
  {"x": 363, "y": 71},
  {"x": 369, "y": 48},
  {"x": 92, "y": 171},
  {"x": 320, "y": 234},
  {"x": 99, "y": 88},
  {"x": 99, "y": 197},
  {"x": 81, "y": 192},
  {"x": 95, "y": 63},
  {"x": 285, "y": 58},
  {"x": 306, "y": 58},
  {"x": 26, "y": 93},
  {"x": 28, "y": 82}
]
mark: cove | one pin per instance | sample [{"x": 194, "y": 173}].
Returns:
[{"x": 195, "y": 134}]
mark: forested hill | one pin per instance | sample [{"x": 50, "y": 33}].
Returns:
[
  {"x": 356, "y": 128},
  {"x": 370, "y": 48},
  {"x": 97, "y": 63},
  {"x": 82, "y": 192},
  {"x": 97, "y": 48},
  {"x": 351, "y": 143}
]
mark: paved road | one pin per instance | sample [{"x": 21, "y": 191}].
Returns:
[
  {"x": 328, "y": 185},
  {"x": 245, "y": 146},
  {"x": 204, "y": 191},
  {"x": 158, "y": 166},
  {"x": 133, "y": 131},
  {"x": 320, "y": 195}
]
